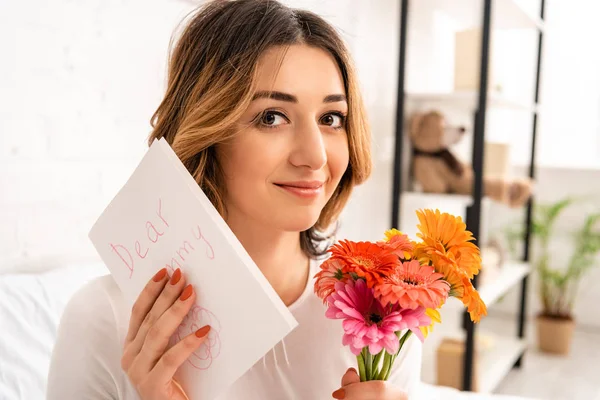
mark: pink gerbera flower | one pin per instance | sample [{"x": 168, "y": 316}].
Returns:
[
  {"x": 413, "y": 285},
  {"x": 367, "y": 323}
]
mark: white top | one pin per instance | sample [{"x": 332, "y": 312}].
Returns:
[{"x": 306, "y": 364}]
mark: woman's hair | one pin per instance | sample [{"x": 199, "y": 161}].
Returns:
[{"x": 212, "y": 78}]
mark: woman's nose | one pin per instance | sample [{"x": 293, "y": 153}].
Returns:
[{"x": 309, "y": 147}]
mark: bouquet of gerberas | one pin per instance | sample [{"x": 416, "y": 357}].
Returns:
[{"x": 386, "y": 291}]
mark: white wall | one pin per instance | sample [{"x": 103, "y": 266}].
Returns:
[{"x": 79, "y": 82}]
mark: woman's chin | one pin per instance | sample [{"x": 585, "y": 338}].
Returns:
[{"x": 300, "y": 224}]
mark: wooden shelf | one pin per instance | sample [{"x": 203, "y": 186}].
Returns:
[
  {"x": 468, "y": 100},
  {"x": 506, "y": 14},
  {"x": 492, "y": 364}
]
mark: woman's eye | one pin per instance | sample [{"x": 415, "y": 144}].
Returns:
[
  {"x": 272, "y": 119},
  {"x": 333, "y": 120}
]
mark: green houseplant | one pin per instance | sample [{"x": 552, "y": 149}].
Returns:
[{"x": 558, "y": 285}]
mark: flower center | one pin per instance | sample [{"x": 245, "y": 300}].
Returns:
[
  {"x": 364, "y": 261},
  {"x": 375, "y": 318},
  {"x": 411, "y": 280}
]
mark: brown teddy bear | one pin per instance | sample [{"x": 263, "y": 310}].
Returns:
[{"x": 437, "y": 170}]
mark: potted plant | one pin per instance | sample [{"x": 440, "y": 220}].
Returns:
[{"x": 558, "y": 285}]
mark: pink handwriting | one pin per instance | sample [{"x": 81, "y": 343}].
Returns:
[
  {"x": 210, "y": 253},
  {"x": 203, "y": 357},
  {"x": 154, "y": 230}
]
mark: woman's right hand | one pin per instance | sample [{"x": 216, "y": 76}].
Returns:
[{"x": 157, "y": 313}]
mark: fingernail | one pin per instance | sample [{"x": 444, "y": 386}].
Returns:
[
  {"x": 339, "y": 394},
  {"x": 200, "y": 333},
  {"x": 352, "y": 369},
  {"x": 187, "y": 292},
  {"x": 176, "y": 276},
  {"x": 160, "y": 275}
]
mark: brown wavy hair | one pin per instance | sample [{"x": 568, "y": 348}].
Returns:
[{"x": 212, "y": 78}]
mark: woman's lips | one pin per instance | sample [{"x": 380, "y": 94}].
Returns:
[{"x": 304, "y": 189}]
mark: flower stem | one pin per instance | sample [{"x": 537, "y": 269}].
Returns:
[
  {"x": 361, "y": 367},
  {"x": 368, "y": 363},
  {"x": 393, "y": 358},
  {"x": 376, "y": 371},
  {"x": 385, "y": 367}
]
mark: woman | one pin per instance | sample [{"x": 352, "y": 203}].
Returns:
[{"x": 263, "y": 109}]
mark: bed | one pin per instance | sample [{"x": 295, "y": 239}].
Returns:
[{"x": 30, "y": 308}]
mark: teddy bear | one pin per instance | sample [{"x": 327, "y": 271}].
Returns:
[{"x": 437, "y": 170}]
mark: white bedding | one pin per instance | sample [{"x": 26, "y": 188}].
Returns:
[{"x": 30, "y": 309}]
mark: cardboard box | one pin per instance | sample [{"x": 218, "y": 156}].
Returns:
[
  {"x": 449, "y": 367},
  {"x": 467, "y": 62},
  {"x": 497, "y": 160}
]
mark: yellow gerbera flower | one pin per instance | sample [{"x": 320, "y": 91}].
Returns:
[
  {"x": 447, "y": 233},
  {"x": 436, "y": 318}
]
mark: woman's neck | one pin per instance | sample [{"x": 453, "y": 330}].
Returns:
[{"x": 278, "y": 255}]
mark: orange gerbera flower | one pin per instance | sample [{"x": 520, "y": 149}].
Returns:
[
  {"x": 367, "y": 260},
  {"x": 331, "y": 272},
  {"x": 450, "y": 231},
  {"x": 475, "y": 305},
  {"x": 413, "y": 285},
  {"x": 460, "y": 284},
  {"x": 462, "y": 288},
  {"x": 398, "y": 243}
]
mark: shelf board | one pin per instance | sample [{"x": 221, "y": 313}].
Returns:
[
  {"x": 432, "y": 198},
  {"x": 468, "y": 100},
  {"x": 506, "y": 14},
  {"x": 492, "y": 364},
  {"x": 510, "y": 275},
  {"x": 496, "y": 362}
]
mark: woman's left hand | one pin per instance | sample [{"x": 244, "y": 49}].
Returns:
[{"x": 353, "y": 389}]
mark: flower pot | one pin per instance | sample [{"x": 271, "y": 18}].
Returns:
[{"x": 555, "y": 334}]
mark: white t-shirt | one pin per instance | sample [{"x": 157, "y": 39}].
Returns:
[{"x": 306, "y": 364}]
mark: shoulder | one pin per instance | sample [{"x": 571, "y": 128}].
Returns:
[
  {"x": 86, "y": 356},
  {"x": 95, "y": 303}
]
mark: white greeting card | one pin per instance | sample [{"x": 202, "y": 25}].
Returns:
[{"x": 161, "y": 218}]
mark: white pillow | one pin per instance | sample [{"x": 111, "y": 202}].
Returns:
[{"x": 30, "y": 309}]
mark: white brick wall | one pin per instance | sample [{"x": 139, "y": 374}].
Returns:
[{"x": 79, "y": 82}]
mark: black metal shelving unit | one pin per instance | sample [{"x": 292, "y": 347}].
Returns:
[{"x": 473, "y": 212}]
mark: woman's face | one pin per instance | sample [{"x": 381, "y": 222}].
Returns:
[{"x": 291, "y": 149}]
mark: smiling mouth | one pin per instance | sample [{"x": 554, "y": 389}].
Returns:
[
  {"x": 301, "y": 184},
  {"x": 302, "y": 189}
]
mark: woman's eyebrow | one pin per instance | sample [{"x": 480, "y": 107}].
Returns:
[
  {"x": 275, "y": 96},
  {"x": 334, "y": 98},
  {"x": 281, "y": 96}
]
